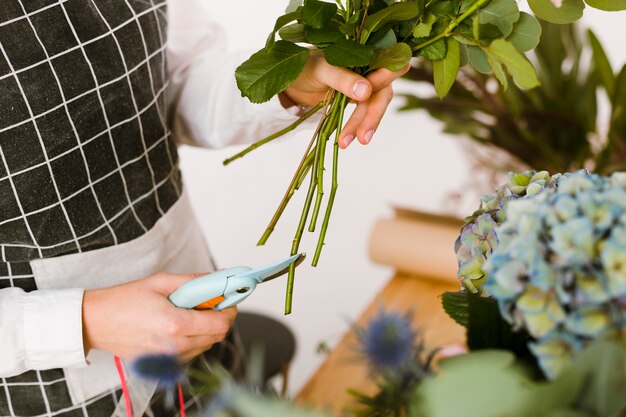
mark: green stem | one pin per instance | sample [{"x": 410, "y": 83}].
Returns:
[
  {"x": 296, "y": 240},
  {"x": 333, "y": 189},
  {"x": 452, "y": 25},
  {"x": 275, "y": 135},
  {"x": 327, "y": 131},
  {"x": 294, "y": 181}
]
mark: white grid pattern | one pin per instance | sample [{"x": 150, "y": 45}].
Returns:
[{"x": 75, "y": 143}]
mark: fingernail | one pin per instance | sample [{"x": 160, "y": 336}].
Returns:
[
  {"x": 368, "y": 136},
  {"x": 347, "y": 140},
  {"x": 360, "y": 89}
]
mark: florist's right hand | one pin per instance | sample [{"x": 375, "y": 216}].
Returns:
[{"x": 136, "y": 318}]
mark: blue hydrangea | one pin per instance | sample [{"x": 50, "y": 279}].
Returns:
[
  {"x": 388, "y": 341},
  {"x": 559, "y": 267},
  {"x": 163, "y": 368}
]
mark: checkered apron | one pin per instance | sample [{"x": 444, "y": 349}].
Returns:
[{"x": 86, "y": 158}]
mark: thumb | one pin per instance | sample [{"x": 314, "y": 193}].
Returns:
[{"x": 166, "y": 284}]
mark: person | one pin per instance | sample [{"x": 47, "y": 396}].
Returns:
[{"x": 95, "y": 95}]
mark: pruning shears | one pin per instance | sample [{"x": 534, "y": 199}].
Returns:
[{"x": 228, "y": 287}]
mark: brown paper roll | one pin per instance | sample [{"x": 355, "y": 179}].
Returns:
[{"x": 417, "y": 243}]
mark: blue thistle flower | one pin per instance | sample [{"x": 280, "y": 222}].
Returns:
[
  {"x": 160, "y": 367},
  {"x": 388, "y": 341}
]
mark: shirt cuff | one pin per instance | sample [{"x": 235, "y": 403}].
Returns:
[{"x": 53, "y": 328}]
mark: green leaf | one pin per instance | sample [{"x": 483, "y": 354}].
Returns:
[
  {"x": 383, "y": 40},
  {"x": 348, "y": 53},
  {"x": 293, "y": 33},
  {"x": 608, "y": 5},
  {"x": 323, "y": 37},
  {"x": 605, "y": 365},
  {"x": 456, "y": 306},
  {"x": 435, "y": 51},
  {"x": 478, "y": 59},
  {"x": 397, "y": 12},
  {"x": 394, "y": 58},
  {"x": 500, "y": 13},
  {"x": 498, "y": 71},
  {"x": 293, "y": 6},
  {"x": 602, "y": 64},
  {"x": 526, "y": 33},
  {"x": 445, "y": 70},
  {"x": 569, "y": 12},
  {"x": 424, "y": 28},
  {"x": 517, "y": 65},
  {"x": 316, "y": 13},
  {"x": 280, "y": 22},
  {"x": 267, "y": 73}
]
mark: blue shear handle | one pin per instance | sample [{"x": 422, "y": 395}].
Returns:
[{"x": 204, "y": 288}]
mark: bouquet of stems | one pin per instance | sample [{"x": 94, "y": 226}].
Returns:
[{"x": 365, "y": 35}]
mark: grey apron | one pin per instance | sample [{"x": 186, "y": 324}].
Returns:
[{"x": 86, "y": 158}]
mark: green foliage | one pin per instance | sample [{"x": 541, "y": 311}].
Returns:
[
  {"x": 488, "y": 384},
  {"x": 267, "y": 73},
  {"x": 608, "y": 5},
  {"x": 569, "y": 12},
  {"x": 393, "y": 58},
  {"x": 550, "y": 127}
]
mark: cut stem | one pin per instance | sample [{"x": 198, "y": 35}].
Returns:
[
  {"x": 294, "y": 181},
  {"x": 331, "y": 126},
  {"x": 275, "y": 135},
  {"x": 333, "y": 189}
]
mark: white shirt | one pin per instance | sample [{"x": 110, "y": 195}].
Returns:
[{"x": 42, "y": 329}]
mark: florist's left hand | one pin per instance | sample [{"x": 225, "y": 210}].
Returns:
[{"x": 372, "y": 94}]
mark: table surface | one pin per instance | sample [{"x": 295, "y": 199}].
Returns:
[{"x": 343, "y": 369}]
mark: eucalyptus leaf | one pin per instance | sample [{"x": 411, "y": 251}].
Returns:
[
  {"x": 498, "y": 70},
  {"x": 349, "y": 54},
  {"x": 293, "y": 33},
  {"x": 526, "y": 33},
  {"x": 424, "y": 27},
  {"x": 393, "y": 58},
  {"x": 316, "y": 13},
  {"x": 500, "y": 13},
  {"x": 281, "y": 22},
  {"x": 569, "y": 12},
  {"x": 267, "y": 73},
  {"x": 397, "y": 12},
  {"x": 435, "y": 51},
  {"x": 517, "y": 65},
  {"x": 478, "y": 59},
  {"x": 602, "y": 64},
  {"x": 608, "y": 5},
  {"x": 445, "y": 70}
]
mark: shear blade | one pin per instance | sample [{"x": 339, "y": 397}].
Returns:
[{"x": 269, "y": 272}]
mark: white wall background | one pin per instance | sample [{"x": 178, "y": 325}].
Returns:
[{"x": 408, "y": 163}]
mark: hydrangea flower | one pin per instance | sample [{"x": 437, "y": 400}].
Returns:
[
  {"x": 479, "y": 238},
  {"x": 559, "y": 267}
]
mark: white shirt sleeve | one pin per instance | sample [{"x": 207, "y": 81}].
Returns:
[
  {"x": 206, "y": 107},
  {"x": 41, "y": 329}
]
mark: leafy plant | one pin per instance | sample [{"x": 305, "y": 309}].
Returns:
[
  {"x": 553, "y": 127},
  {"x": 365, "y": 35}
]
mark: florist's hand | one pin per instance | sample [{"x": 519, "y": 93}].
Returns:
[
  {"x": 372, "y": 94},
  {"x": 136, "y": 318}
]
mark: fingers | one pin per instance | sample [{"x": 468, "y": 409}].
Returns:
[
  {"x": 343, "y": 80},
  {"x": 366, "y": 118},
  {"x": 382, "y": 77}
]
